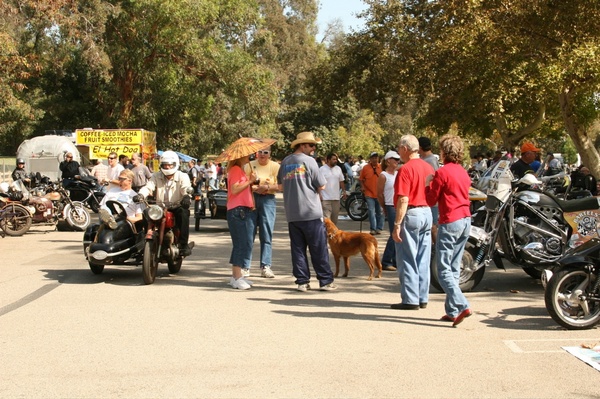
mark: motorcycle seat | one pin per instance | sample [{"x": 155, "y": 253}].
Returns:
[{"x": 582, "y": 204}]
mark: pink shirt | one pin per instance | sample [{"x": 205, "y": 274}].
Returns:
[{"x": 244, "y": 198}]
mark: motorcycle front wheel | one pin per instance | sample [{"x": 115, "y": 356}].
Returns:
[
  {"x": 357, "y": 208},
  {"x": 15, "y": 220},
  {"x": 96, "y": 269},
  {"x": 563, "y": 298},
  {"x": 150, "y": 262},
  {"x": 77, "y": 216},
  {"x": 468, "y": 280},
  {"x": 175, "y": 265}
]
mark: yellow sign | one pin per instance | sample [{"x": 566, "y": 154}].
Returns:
[
  {"x": 102, "y": 151},
  {"x": 110, "y": 136}
]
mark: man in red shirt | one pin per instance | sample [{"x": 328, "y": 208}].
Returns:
[
  {"x": 369, "y": 175},
  {"x": 412, "y": 227}
]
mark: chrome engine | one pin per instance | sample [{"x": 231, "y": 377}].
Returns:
[{"x": 538, "y": 239}]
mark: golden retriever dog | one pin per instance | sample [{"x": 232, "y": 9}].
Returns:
[{"x": 345, "y": 244}]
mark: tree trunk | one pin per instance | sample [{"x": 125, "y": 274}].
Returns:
[
  {"x": 512, "y": 139},
  {"x": 579, "y": 133}
]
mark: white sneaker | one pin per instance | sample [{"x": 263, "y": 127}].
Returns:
[
  {"x": 266, "y": 272},
  {"x": 239, "y": 284},
  {"x": 232, "y": 280},
  {"x": 245, "y": 272},
  {"x": 329, "y": 287},
  {"x": 303, "y": 287}
]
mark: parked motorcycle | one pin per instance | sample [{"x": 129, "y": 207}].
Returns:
[
  {"x": 56, "y": 204},
  {"x": 524, "y": 225},
  {"x": 572, "y": 292},
  {"x": 123, "y": 245},
  {"x": 161, "y": 241},
  {"x": 15, "y": 218},
  {"x": 86, "y": 189},
  {"x": 217, "y": 206}
]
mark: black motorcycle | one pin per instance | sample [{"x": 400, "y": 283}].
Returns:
[
  {"x": 216, "y": 203},
  {"x": 121, "y": 245},
  {"x": 86, "y": 189},
  {"x": 524, "y": 225},
  {"x": 572, "y": 290}
]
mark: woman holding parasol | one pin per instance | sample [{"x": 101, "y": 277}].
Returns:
[{"x": 241, "y": 215}]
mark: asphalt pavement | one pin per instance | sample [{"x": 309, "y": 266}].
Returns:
[{"x": 67, "y": 333}]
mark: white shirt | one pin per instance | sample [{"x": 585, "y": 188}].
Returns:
[
  {"x": 333, "y": 176},
  {"x": 125, "y": 197},
  {"x": 388, "y": 189},
  {"x": 113, "y": 174}
]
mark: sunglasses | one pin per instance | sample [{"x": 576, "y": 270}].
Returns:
[
  {"x": 124, "y": 178},
  {"x": 312, "y": 145},
  {"x": 264, "y": 152},
  {"x": 112, "y": 157},
  {"x": 69, "y": 157}
]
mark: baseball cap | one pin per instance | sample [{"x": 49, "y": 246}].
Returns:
[
  {"x": 373, "y": 154},
  {"x": 527, "y": 146},
  {"x": 391, "y": 154},
  {"x": 425, "y": 143}
]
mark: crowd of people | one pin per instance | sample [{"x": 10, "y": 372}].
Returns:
[{"x": 425, "y": 200}]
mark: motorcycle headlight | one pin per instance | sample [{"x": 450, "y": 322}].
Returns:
[{"x": 155, "y": 212}]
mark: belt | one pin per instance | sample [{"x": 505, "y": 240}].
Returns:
[{"x": 417, "y": 206}]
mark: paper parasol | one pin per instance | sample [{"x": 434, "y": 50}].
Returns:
[{"x": 243, "y": 147}]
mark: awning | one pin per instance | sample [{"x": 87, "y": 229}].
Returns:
[{"x": 183, "y": 157}]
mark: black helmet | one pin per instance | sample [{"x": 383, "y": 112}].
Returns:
[{"x": 20, "y": 160}]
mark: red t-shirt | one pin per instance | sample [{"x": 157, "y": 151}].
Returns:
[
  {"x": 410, "y": 182},
  {"x": 450, "y": 190}
]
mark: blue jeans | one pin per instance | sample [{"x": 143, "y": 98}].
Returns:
[
  {"x": 389, "y": 254},
  {"x": 376, "y": 218},
  {"x": 451, "y": 241},
  {"x": 265, "y": 222},
  {"x": 311, "y": 234},
  {"x": 413, "y": 256},
  {"x": 242, "y": 223}
]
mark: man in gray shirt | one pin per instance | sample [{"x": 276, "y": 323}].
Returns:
[
  {"x": 300, "y": 180},
  {"x": 426, "y": 155}
]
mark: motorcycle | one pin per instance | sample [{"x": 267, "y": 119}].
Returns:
[
  {"x": 87, "y": 190},
  {"x": 572, "y": 289},
  {"x": 122, "y": 245},
  {"x": 217, "y": 206},
  {"x": 161, "y": 241},
  {"x": 15, "y": 218},
  {"x": 524, "y": 225},
  {"x": 56, "y": 204}
]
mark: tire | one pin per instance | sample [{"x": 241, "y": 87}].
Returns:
[
  {"x": 197, "y": 224},
  {"x": 468, "y": 280},
  {"x": 149, "y": 263},
  {"x": 563, "y": 304},
  {"x": 77, "y": 216},
  {"x": 15, "y": 220},
  {"x": 534, "y": 271},
  {"x": 175, "y": 266},
  {"x": 96, "y": 269},
  {"x": 357, "y": 207}
]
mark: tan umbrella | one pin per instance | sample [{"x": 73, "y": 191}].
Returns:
[{"x": 243, "y": 147}]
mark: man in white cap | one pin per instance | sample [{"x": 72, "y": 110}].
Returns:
[{"x": 301, "y": 181}]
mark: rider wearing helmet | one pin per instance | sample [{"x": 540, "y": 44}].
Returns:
[
  {"x": 170, "y": 187},
  {"x": 19, "y": 172}
]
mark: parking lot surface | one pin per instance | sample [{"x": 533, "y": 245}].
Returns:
[{"x": 67, "y": 333}]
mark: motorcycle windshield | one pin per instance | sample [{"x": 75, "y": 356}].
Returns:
[{"x": 500, "y": 183}]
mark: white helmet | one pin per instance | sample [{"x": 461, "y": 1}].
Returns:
[{"x": 169, "y": 157}]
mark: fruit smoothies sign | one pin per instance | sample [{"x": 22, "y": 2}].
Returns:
[{"x": 101, "y": 142}]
